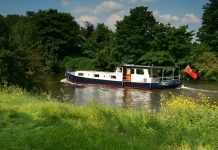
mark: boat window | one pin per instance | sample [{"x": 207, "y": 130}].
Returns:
[
  {"x": 132, "y": 71},
  {"x": 113, "y": 77},
  {"x": 139, "y": 71},
  {"x": 96, "y": 75},
  {"x": 80, "y": 74}
]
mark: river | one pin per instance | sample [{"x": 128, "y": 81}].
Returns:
[{"x": 128, "y": 98}]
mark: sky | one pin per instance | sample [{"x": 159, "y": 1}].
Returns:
[{"x": 175, "y": 12}]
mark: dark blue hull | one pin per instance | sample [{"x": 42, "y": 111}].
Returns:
[{"x": 82, "y": 80}]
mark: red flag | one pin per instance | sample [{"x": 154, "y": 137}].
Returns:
[{"x": 189, "y": 71}]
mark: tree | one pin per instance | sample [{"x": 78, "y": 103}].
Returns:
[
  {"x": 98, "y": 40},
  {"x": 21, "y": 68},
  {"x": 98, "y": 47},
  {"x": 105, "y": 59},
  {"x": 175, "y": 41},
  {"x": 11, "y": 20},
  {"x": 4, "y": 33},
  {"x": 139, "y": 35},
  {"x": 207, "y": 65},
  {"x": 180, "y": 43},
  {"x": 20, "y": 62},
  {"x": 23, "y": 35},
  {"x": 161, "y": 58},
  {"x": 6, "y": 61},
  {"x": 208, "y": 33},
  {"x": 57, "y": 35},
  {"x": 88, "y": 30},
  {"x": 134, "y": 34}
]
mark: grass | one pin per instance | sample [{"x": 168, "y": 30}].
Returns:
[{"x": 36, "y": 122}]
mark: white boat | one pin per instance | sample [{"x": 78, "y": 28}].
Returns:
[{"x": 129, "y": 75}]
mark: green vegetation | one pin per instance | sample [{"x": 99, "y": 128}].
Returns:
[
  {"x": 37, "y": 122},
  {"x": 48, "y": 41},
  {"x": 42, "y": 42},
  {"x": 208, "y": 32}
]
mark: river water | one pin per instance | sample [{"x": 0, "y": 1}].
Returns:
[{"x": 149, "y": 100}]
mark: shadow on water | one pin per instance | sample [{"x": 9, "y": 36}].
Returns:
[{"x": 126, "y": 97}]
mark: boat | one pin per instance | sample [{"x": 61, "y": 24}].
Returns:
[{"x": 130, "y": 75}]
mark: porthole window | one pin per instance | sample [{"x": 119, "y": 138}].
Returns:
[
  {"x": 80, "y": 74},
  {"x": 113, "y": 77},
  {"x": 96, "y": 75}
]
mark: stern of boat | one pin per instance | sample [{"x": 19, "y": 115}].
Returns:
[{"x": 170, "y": 83}]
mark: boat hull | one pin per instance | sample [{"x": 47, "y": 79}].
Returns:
[{"x": 83, "y": 80}]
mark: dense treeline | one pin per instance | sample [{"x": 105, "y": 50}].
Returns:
[{"x": 49, "y": 41}]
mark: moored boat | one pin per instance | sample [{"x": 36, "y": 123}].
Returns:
[{"x": 129, "y": 75}]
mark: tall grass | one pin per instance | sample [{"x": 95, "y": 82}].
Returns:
[{"x": 33, "y": 122}]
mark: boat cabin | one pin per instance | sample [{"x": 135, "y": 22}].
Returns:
[{"x": 148, "y": 74}]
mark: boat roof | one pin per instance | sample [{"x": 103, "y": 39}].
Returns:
[{"x": 152, "y": 67}]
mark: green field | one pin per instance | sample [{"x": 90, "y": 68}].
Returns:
[{"x": 37, "y": 122}]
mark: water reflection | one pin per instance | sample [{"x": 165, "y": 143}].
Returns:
[
  {"x": 127, "y": 99},
  {"x": 117, "y": 97}
]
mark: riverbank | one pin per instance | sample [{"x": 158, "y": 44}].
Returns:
[{"x": 39, "y": 122}]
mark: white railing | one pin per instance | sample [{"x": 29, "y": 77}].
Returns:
[{"x": 171, "y": 78}]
